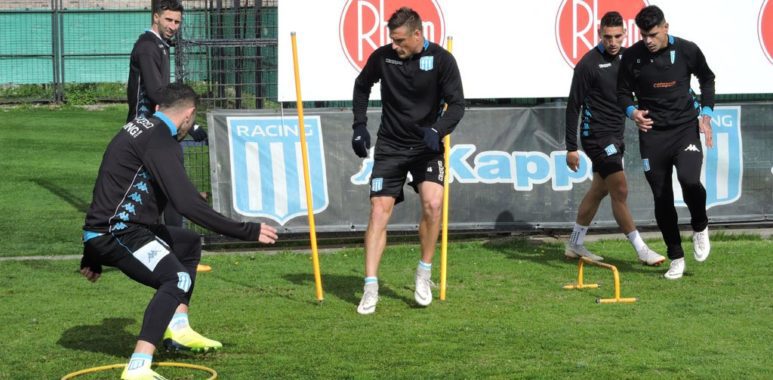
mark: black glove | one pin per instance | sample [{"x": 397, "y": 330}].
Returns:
[
  {"x": 198, "y": 133},
  {"x": 361, "y": 140},
  {"x": 86, "y": 262},
  {"x": 432, "y": 139}
]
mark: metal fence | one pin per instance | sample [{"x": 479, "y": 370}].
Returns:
[{"x": 53, "y": 51}]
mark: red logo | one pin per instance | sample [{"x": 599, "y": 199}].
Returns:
[
  {"x": 577, "y": 25},
  {"x": 363, "y": 26},
  {"x": 765, "y": 29}
]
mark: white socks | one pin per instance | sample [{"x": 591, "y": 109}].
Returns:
[
  {"x": 578, "y": 235},
  {"x": 636, "y": 241}
]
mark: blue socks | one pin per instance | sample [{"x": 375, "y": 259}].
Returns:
[{"x": 425, "y": 266}]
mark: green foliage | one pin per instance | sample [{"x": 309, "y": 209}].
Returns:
[
  {"x": 505, "y": 317},
  {"x": 92, "y": 93}
]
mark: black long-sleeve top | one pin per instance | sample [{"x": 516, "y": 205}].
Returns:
[
  {"x": 661, "y": 82},
  {"x": 142, "y": 169},
  {"x": 412, "y": 93},
  {"x": 594, "y": 89},
  {"x": 149, "y": 73}
]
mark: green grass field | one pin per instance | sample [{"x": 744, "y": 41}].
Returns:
[{"x": 506, "y": 315}]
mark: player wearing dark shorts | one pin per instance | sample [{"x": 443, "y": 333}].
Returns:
[
  {"x": 658, "y": 70},
  {"x": 141, "y": 171},
  {"x": 417, "y": 78},
  {"x": 593, "y": 94}
]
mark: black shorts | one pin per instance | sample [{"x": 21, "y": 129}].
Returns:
[
  {"x": 605, "y": 153},
  {"x": 149, "y": 254},
  {"x": 391, "y": 167}
]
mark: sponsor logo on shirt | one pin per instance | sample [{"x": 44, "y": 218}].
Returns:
[
  {"x": 664, "y": 84},
  {"x": 605, "y": 65},
  {"x": 393, "y": 61}
]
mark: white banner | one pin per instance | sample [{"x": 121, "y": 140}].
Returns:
[{"x": 515, "y": 48}]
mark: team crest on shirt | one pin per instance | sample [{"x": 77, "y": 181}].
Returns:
[
  {"x": 267, "y": 166},
  {"x": 426, "y": 63}
]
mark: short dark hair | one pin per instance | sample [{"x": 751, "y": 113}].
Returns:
[
  {"x": 159, "y": 6},
  {"x": 612, "y": 18},
  {"x": 649, "y": 17},
  {"x": 177, "y": 95},
  {"x": 405, "y": 16}
]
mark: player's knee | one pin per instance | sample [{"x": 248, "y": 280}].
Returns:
[
  {"x": 619, "y": 193},
  {"x": 432, "y": 207},
  {"x": 690, "y": 183},
  {"x": 380, "y": 211}
]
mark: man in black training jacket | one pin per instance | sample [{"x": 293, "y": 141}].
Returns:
[
  {"x": 141, "y": 171},
  {"x": 417, "y": 78},
  {"x": 670, "y": 118}
]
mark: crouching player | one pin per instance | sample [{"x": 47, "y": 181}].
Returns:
[{"x": 142, "y": 170}]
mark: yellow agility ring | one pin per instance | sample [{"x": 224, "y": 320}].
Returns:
[{"x": 162, "y": 364}]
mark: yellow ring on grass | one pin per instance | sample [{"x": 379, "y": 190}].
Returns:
[{"x": 162, "y": 364}]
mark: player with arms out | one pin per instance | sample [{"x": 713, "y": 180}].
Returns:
[{"x": 142, "y": 171}]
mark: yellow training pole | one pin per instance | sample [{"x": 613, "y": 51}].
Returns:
[
  {"x": 446, "y": 177},
  {"x": 309, "y": 204}
]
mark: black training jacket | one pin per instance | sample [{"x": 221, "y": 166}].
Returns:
[
  {"x": 412, "y": 93},
  {"x": 148, "y": 74},
  {"x": 594, "y": 90},
  {"x": 661, "y": 82},
  {"x": 141, "y": 169}
]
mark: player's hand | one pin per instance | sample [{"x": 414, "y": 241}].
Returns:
[
  {"x": 642, "y": 121},
  {"x": 90, "y": 270},
  {"x": 432, "y": 139},
  {"x": 704, "y": 125},
  {"x": 267, "y": 234},
  {"x": 361, "y": 140},
  {"x": 198, "y": 133},
  {"x": 573, "y": 160}
]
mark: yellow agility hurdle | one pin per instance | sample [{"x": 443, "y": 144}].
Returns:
[{"x": 581, "y": 285}]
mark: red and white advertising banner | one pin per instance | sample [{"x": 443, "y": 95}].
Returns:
[{"x": 515, "y": 48}]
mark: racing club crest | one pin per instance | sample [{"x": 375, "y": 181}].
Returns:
[{"x": 267, "y": 166}]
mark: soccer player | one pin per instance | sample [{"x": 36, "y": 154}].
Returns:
[
  {"x": 417, "y": 78},
  {"x": 141, "y": 172},
  {"x": 657, "y": 69},
  {"x": 149, "y": 73},
  {"x": 594, "y": 87}
]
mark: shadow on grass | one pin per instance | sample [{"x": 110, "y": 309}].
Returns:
[
  {"x": 552, "y": 254},
  {"x": 109, "y": 338},
  {"x": 345, "y": 287},
  {"x": 77, "y": 203}
]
